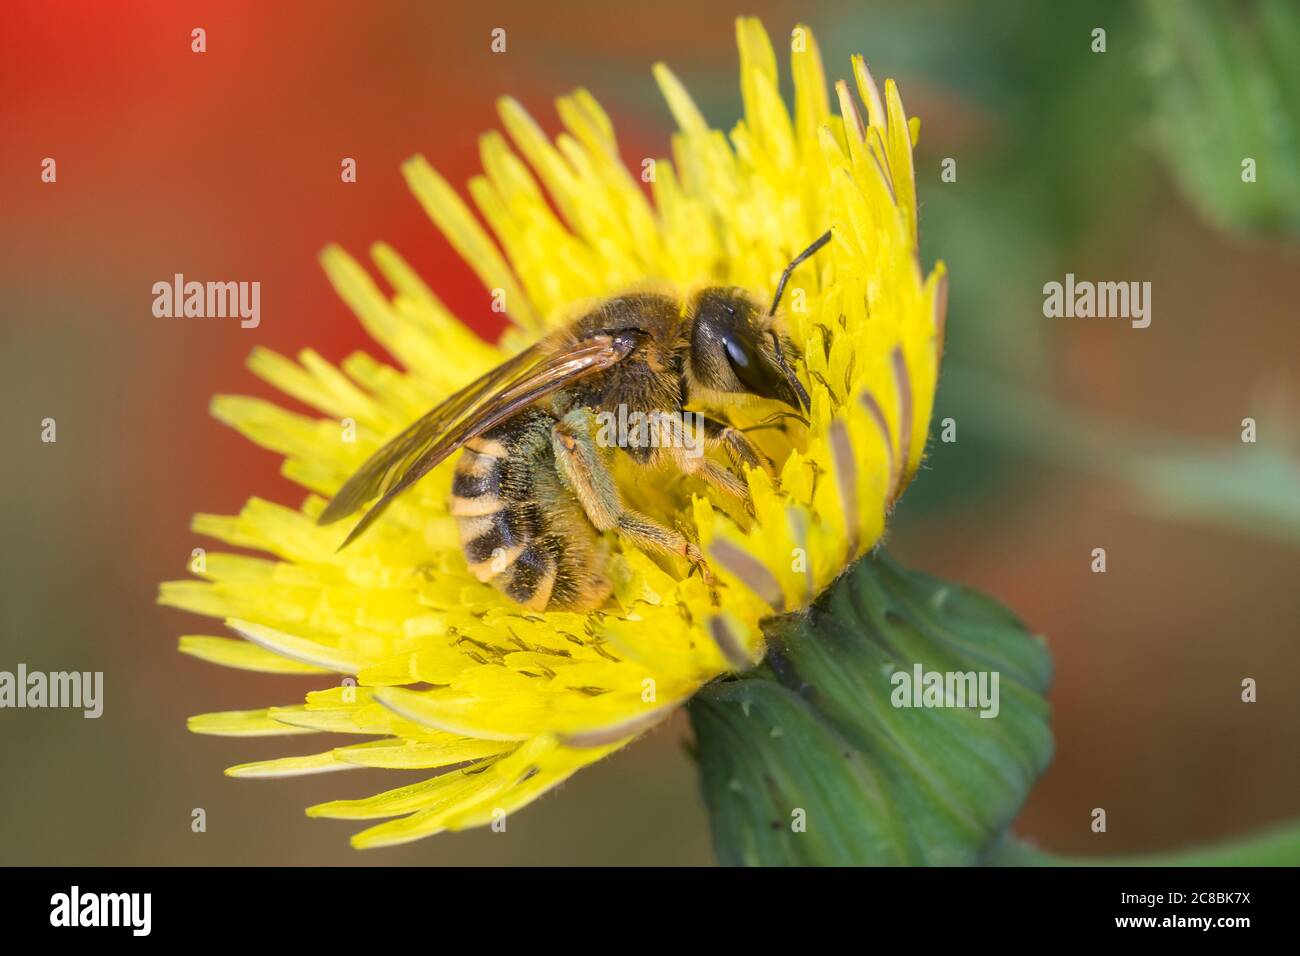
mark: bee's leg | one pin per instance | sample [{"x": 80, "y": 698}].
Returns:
[
  {"x": 650, "y": 535},
  {"x": 741, "y": 452},
  {"x": 718, "y": 477},
  {"x": 583, "y": 468},
  {"x": 686, "y": 447}
]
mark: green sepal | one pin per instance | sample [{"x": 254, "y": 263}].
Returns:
[{"x": 808, "y": 761}]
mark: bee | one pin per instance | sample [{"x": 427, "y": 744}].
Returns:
[{"x": 533, "y": 493}]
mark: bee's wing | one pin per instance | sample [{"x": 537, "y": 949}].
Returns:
[
  {"x": 433, "y": 438},
  {"x": 386, "y": 465}
]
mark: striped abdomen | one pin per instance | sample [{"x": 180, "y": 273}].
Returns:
[{"x": 520, "y": 528}]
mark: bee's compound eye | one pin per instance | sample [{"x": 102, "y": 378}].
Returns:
[
  {"x": 737, "y": 354},
  {"x": 747, "y": 366}
]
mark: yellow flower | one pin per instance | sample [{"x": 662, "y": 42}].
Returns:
[{"x": 445, "y": 671}]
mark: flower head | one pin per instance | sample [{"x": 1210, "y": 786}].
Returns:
[{"x": 443, "y": 671}]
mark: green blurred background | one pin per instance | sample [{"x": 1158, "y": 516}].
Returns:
[{"x": 1072, "y": 434}]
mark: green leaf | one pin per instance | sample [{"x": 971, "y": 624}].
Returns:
[
  {"x": 1227, "y": 88},
  {"x": 764, "y": 756},
  {"x": 1248, "y": 487},
  {"x": 1277, "y": 847},
  {"x": 809, "y": 761}
]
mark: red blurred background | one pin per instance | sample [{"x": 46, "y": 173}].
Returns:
[{"x": 225, "y": 165}]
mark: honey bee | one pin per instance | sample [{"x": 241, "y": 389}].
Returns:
[{"x": 533, "y": 494}]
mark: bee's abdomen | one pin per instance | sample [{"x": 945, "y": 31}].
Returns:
[
  {"x": 519, "y": 528},
  {"x": 476, "y": 485}
]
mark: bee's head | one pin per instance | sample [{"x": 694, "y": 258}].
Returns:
[{"x": 737, "y": 350}]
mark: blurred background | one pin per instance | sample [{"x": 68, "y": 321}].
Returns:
[{"x": 1072, "y": 434}]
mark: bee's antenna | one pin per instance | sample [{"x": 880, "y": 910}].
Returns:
[{"x": 785, "y": 276}]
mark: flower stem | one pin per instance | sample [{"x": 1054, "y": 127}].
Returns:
[{"x": 1277, "y": 847}]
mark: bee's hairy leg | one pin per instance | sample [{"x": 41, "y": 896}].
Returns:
[
  {"x": 741, "y": 451},
  {"x": 727, "y": 483},
  {"x": 650, "y": 535},
  {"x": 686, "y": 448},
  {"x": 690, "y": 459},
  {"x": 582, "y": 466}
]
